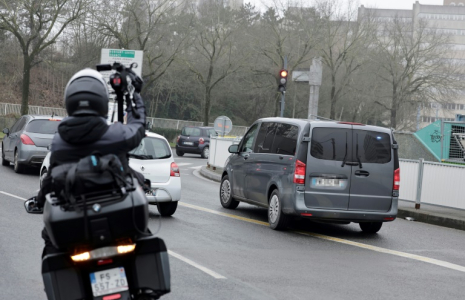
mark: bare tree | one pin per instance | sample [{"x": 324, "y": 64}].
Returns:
[
  {"x": 343, "y": 43},
  {"x": 412, "y": 60},
  {"x": 36, "y": 24}
]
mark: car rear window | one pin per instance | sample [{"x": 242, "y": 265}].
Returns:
[
  {"x": 43, "y": 126},
  {"x": 151, "y": 148},
  {"x": 330, "y": 143},
  {"x": 191, "y": 131},
  {"x": 373, "y": 147}
]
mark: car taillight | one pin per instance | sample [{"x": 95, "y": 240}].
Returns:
[
  {"x": 201, "y": 141},
  {"x": 174, "y": 170},
  {"x": 299, "y": 173},
  {"x": 396, "y": 185},
  {"x": 177, "y": 141},
  {"x": 26, "y": 140}
]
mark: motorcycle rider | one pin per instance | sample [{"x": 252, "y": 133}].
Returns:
[{"x": 85, "y": 130}]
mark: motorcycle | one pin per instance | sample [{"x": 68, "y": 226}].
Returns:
[{"x": 107, "y": 252}]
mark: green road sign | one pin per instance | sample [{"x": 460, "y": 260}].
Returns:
[{"x": 123, "y": 53}]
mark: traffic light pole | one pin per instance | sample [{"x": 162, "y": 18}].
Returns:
[{"x": 283, "y": 95}]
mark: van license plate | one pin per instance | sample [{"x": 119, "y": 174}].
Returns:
[
  {"x": 189, "y": 143},
  {"x": 327, "y": 182},
  {"x": 108, "y": 281}
]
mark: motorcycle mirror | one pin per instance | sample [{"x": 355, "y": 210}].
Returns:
[{"x": 31, "y": 208}]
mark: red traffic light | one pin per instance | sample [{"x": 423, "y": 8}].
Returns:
[{"x": 283, "y": 73}]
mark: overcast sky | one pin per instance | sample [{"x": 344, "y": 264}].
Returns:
[{"x": 393, "y": 4}]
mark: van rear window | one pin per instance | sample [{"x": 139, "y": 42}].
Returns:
[
  {"x": 330, "y": 143},
  {"x": 373, "y": 147}
]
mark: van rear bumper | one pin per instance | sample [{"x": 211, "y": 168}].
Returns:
[{"x": 347, "y": 215}]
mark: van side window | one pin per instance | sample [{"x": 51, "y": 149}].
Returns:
[
  {"x": 247, "y": 142},
  {"x": 265, "y": 137},
  {"x": 285, "y": 141},
  {"x": 330, "y": 143},
  {"x": 373, "y": 147}
]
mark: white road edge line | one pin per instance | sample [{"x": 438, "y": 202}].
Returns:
[
  {"x": 11, "y": 195},
  {"x": 196, "y": 265},
  {"x": 196, "y": 174}
]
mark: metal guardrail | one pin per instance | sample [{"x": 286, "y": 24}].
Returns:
[
  {"x": 432, "y": 183},
  {"x": 15, "y": 109}
]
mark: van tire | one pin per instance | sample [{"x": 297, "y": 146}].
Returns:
[
  {"x": 226, "y": 198},
  {"x": 370, "y": 227},
  {"x": 277, "y": 219},
  {"x": 167, "y": 209}
]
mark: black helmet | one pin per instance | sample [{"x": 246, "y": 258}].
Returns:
[{"x": 87, "y": 94}]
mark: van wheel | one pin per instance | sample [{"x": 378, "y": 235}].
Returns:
[
  {"x": 179, "y": 153},
  {"x": 226, "y": 199},
  {"x": 167, "y": 209},
  {"x": 4, "y": 161},
  {"x": 277, "y": 219},
  {"x": 370, "y": 227},
  {"x": 205, "y": 152}
]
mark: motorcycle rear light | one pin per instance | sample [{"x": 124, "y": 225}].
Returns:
[
  {"x": 103, "y": 253},
  {"x": 396, "y": 184},
  {"x": 201, "y": 141},
  {"x": 26, "y": 140},
  {"x": 174, "y": 170},
  {"x": 81, "y": 257},
  {"x": 126, "y": 248},
  {"x": 299, "y": 172},
  {"x": 112, "y": 297}
]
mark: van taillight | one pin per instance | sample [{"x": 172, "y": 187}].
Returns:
[
  {"x": 201, "y": 141},
  {"x": 396, "y": 185},
  {"x": 26, "y": 140},
  {"x": 174, "y": 170},
  {"x": 299, "y": 173}
]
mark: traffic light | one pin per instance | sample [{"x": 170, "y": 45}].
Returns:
[{"x": 282, "y": 80}]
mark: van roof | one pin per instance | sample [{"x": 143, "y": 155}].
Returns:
[{"x": 303, "y": 122}]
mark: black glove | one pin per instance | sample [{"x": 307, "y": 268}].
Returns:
[{"x": 136, "y": 81}]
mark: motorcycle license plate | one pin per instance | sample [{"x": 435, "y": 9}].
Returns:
[{"x": 108, "y": 281}]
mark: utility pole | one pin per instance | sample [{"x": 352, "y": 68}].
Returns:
[{"x": 282, "y": 87}]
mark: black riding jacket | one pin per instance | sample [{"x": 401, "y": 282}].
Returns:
[{"x": 81, "y": 136}]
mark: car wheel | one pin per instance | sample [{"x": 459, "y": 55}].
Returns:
[
  {"x": 205, "y": 152},
  {"x": 4, "y": 161},
  {"x": 277, "y": 219},
  {"x": 167, "y": 209},
  {"x": 179, "y": 153},
  {"x": 43, "y": 173},
  {"x": 227, "y": 201},
  {"x": 370, "y": 227},
  {"x": 17, "y": 166}
]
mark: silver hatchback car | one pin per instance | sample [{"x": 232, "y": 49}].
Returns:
[{"x": 25, "y": 143}]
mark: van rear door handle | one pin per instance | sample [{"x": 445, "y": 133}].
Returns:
[{"x": 362, "y": 173}]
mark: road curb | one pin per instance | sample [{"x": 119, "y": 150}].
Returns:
[
  {"x": 431, "y": 218},
  {"x": 417, "y": 215},
  {"x": 212, "y": 175}
]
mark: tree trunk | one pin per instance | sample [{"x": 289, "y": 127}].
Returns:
[
  {"x": 332, "y": 114},
  {"x": 206, "y": 114},
  {"x": 26, "y": 81},
  {"x": 393, "y": 116}
]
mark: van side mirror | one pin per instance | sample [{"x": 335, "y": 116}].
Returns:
[
  {"x": 233, "y": 149},
  {"x": 6, "y": 131}
]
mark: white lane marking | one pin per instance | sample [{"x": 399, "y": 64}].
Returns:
[
  {"x": 11, "y": 195},
  {"x": 197, "y": 174},
  {"x": 184, "y": 164},
  {"x": 339, "y": 240},
  {"x": 196, "y": 168},
  {"x": 196, "y": 265}
]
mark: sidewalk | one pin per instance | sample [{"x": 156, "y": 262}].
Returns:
[{"x": 436, "y": 215}]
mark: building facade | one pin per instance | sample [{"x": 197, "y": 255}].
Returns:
[{"x": 448, "y": 18}]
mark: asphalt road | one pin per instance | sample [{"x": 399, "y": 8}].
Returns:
[{"x": 232, "y": 254}]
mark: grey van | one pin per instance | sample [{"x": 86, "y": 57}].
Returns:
[{"x": 322, "y": 170}]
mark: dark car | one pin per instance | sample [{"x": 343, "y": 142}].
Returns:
[
  {"x": 195, "y": 140},
  {"x": 321, "y": 170},
  {"x": 26, "y": 142}
]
